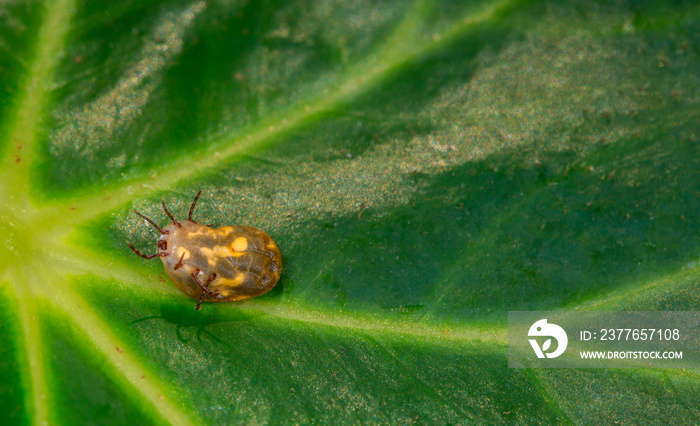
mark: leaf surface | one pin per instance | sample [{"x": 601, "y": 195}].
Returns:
[{"x": 424, "y": 167}]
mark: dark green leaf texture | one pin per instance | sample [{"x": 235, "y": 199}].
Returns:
[{"x": 424, "y": 166}]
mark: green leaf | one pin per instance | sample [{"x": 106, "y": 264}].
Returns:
[{"x": 425, "y": 167}]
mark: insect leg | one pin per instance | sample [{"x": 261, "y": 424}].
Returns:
[
  {"x": 152, "y": 223},
  {"x": 170, "y": 216},
  {"x": 179, "y": 263},
  {"x": 204, "y": 288},
  {"x": 211, "y": 278},
  {"x": 201, "y": 297},
  {"x": 196, "y": 197},
  {"x": 160, "y": 254}
]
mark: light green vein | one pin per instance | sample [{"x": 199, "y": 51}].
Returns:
[
  {"x": 553, "y": 401},
  {"x": 380, "y": 324},
  {"x": 640, "y": 290},
  {"x": 398, "y": 51},
  {"x": 23, "y": 126},
  {"x": 78, "y": 262},
  {"x": 98, "y": 333},
  {"x": 32, "y": 342},
  {"x": 15, "y": 176}
]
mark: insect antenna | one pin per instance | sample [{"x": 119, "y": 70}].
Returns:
[
  {"x": 170, "y": 216},
  {"x": 151, "y": 222},
  {"x": 196, "y": 197},
  {"x": 160, "y": 254}
]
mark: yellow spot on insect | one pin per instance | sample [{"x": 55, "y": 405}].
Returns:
[
  {"x": 223, "y": 285},
  {"x": 222, "y": 251},
  {"x": 240, "y": 277},
  {"x": 200, "y": 232},
  {"x": 244, "y": 297},
  {"x": 271, "y": 245},
  {"x": 223, "y": 231},
  {"x": 187, "y": 269},
  {"x": 212, "y": 254},
  {"x": 223, "y": 292},
  {"x": 207, "y": 252},
  {"x": 240, "y": 244},
  {"x": 182, "y": 252}
]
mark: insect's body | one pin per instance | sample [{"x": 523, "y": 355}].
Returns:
[
  {"x": 246, "y": 262},
  {"x": 216, "y": 265}
]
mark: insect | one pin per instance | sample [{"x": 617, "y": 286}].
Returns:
[{"x": 216, "y": 265}]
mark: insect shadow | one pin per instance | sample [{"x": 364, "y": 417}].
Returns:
[{"x": 183, "y": 316}]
